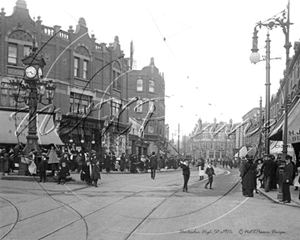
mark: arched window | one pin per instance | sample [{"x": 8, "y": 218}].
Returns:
[
  {"x": 139, "y": 84},
  {"x": 151, "y": 86}
]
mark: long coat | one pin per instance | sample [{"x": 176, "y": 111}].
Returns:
[
  {"x": 95, "y": 171},
  {"x": 288, "y": 173},
  {"x": 249, "y": 176},
  {"x": 268, "y": 167},
  {"x": 153, "y": 161},
  {"x": 122, "y": 163},
  {"x": 43, "y": 166},
  {"x": 107, "y": 161}
]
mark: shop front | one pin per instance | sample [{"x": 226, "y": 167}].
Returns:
[
  {"x": 293, "y": 134},
  {"x": 80, "y": 134}
]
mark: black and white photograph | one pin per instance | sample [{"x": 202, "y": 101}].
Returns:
[{"x": 149, "y": 120}]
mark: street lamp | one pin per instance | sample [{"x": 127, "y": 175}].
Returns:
[
  {"x": 282, "y": 21},
  {"x": 31, "y": 89}
]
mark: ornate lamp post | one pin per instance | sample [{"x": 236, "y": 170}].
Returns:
[
  {"x": 31, "y": 90},
  {"x": 282, "y": 21}
]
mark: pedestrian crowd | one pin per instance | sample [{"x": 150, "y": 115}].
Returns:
[{"x": 271, "y": 173}]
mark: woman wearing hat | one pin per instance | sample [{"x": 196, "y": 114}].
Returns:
[
  {"x": 248, "y": 175},
  {"x": 95, "y": 169}
]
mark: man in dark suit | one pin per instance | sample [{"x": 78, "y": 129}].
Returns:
[
  {"x": 287, "y": 180},
  {"x": 107, "y": 162},
  {"x": 267, "y": 169},
  {"x": 186, "y": 174},
  {"x": 153, "y": 164}
]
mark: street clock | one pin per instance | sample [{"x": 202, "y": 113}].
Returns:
[{"x": 30, "y": 72}]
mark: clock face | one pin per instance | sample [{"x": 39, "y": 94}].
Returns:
[
  {"x": 30, "y": 72},
  {"x": 40, "y": 72}
]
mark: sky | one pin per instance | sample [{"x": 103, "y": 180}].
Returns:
[{"x": 201, "y": 46}]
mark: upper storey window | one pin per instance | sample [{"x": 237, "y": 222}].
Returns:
[
  {"x": 151, "y": 86},
  {"x": 139, "y": 84},
  {"x": 81, "y": 62},
  {"x": 19, "y": 42},
  {"x": 12, "y": 54},
  {"x": 117, "y": 76}
]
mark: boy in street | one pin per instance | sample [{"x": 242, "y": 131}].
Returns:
[
  {"x": 210, "y": 172},
  {"x": 63, "y": 171}
]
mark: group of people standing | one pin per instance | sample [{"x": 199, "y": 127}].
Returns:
[{"x": 270, "y": 172}]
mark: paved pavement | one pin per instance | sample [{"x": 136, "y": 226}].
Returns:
[{"x": 275, "y": 196}]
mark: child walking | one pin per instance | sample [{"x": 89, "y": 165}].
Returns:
[{"x": 63, "y": 171}]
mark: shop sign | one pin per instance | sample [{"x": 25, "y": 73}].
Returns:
[{"x": 294, "y": 135}]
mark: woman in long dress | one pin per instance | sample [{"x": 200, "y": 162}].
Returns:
[
  {"x": 53, "y": 159},
  {"x": 201, "y": 165}
]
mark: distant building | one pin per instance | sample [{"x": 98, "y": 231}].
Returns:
[
  {"x": 210, "y": 140},
  {"x": 148, "y": 85}
]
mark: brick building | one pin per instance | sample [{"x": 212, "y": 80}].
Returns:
[
  {"x": 210, "y": 140},
  {"x": 84, "y": 72},
  {"x": 148, "y": 85}
]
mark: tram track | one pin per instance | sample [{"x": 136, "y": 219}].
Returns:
[{"x": 83, "y": 217}]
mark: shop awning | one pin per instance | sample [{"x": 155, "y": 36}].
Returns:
[
  {"x": 276, "y": 133},
  {"x": 276, "y": 148},
  {"x": 293, "y": 126},
  {"x": 12, "y": 124}
]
